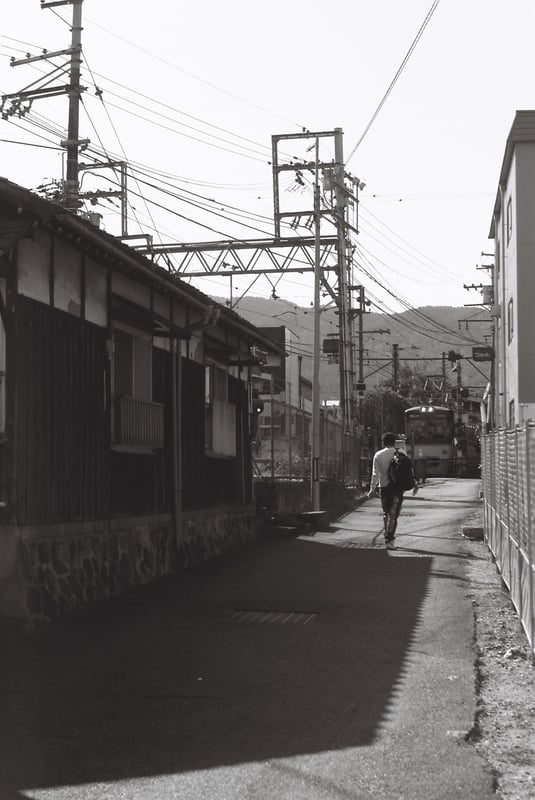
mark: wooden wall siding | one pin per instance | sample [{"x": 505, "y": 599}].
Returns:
[
  {"x": 60, "y": 432},
  {"x": 243, "y": 481},
  {"x": 194, "y": 493},
  {"x": 207, "y": 481},
  {"x": 162, "y": 393},
  {"x": 4, "y": 479},
  {"x": 66, "y": 472},
  {"x": 141, "y": 483},
  {"x": 138, "y": 484}
]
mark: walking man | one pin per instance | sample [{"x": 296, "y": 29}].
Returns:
[{"x": 390, "y": 493}]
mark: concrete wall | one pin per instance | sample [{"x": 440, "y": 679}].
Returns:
[
  {"x": 293, "y": 497},
  {"x": 46, "y": 571}
]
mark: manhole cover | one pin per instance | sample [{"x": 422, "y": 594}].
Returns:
[{"x": 272, "y": 617}]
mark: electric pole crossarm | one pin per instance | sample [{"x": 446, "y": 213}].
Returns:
[
  {"x": 44, "y": 56},
  {"x": 304, "y": 165},
  {"x": 34, "y": 94},
  {"x": 61, "y": 3},
  {"x": 303, "y": 135},
  {"x": 99, "y": 193},
  {"x": 326, "y": 212}
]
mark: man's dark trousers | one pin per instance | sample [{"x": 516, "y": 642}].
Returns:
[{"x": 391, "y": 500}]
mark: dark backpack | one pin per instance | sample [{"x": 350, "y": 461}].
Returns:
[{"x": 401, "y": 472}]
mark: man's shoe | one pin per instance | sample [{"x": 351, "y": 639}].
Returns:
[{"x": 389, "y": 544}]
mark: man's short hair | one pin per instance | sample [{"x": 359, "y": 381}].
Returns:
[{"x": 389, "y": 439}]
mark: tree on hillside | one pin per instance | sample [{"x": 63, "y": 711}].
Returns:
[
  {"x": 416, "y": 386},
  {"x": 383, "y": 410}
]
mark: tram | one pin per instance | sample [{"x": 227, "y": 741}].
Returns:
[{"x": 430, "y": 440}]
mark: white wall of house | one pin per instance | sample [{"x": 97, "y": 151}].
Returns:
[
  {"x": 526, "y": 275},
  {"x": 514, "y": 276}
]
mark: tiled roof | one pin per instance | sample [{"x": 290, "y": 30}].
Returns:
[
  {"x": 31, "y": 207},
  {"x": 10, "y": 233}
]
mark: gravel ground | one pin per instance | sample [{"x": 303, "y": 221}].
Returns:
[{"x": 504, "y": 732}]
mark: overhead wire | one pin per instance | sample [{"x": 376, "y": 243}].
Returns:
[
  {"x": 196, "y": 77},
  {"x": 176, "y": 110},
  {"x": 416, "y": 312},
  {"x": 113, "y": 127},
  {"x": 394, "y": 293},
  {"x": 420, "y": 257},
  {"x": 395, "y": 78},
  {"x": 203, "y": 122}
]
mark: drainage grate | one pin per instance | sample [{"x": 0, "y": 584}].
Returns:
[
  {"x": 272, "y": 617},
  {"x": 354, "y": 545}
]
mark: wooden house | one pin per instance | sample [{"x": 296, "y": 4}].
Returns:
[{"x": 125, "y": 405}]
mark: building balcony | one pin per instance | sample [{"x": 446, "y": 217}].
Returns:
[{"x": 139, "y": 424}]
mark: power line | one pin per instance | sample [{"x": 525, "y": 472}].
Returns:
[
  {"x": 31, "y": 144},
  {"x": 195, "y": 77},
  {"x": 396, "y": 76}
]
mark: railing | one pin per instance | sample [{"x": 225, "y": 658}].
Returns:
[
  {"x": 508, "y": 476},
  {"x": 138, "y": 423},
  {"x": 282, "y": 446}
]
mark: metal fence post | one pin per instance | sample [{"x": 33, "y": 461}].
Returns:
[
  {"x": 530, "y": 623},
  {"x": 272, "y": 432},
  {"x": 518, "y": 523}
]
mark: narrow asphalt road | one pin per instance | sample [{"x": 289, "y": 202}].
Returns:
[{"x": 323, "y": 667}]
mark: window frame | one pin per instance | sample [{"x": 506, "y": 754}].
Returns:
[
  {"x": 138, "y": 337},
  {"x": 219, "y": 413},
  {"x": 509, "y": 218}
]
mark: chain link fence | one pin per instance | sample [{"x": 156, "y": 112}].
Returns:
[
  {"x": 283, "y": 440},
  {"x": 508, "y": 477}
]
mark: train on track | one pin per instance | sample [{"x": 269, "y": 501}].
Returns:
[{"x": 438, "y": 445}]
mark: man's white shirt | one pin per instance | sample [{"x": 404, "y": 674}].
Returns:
[{"x": 381, "y": 463}]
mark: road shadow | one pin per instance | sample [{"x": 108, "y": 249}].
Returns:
[{"x": 167, "y": 679}]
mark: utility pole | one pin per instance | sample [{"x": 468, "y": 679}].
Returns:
[
  {"x": 346, "y": 383},
  {"x": 72, "y": 144},
  {"x": 20, "y": 103},
  {"x": 360, "y": 385},
  {"x": 395, "y": 365},
  {"x": 362, "y": 308},
  {"x": 336, "y": 244},
  {"x": 316, "y": 438},
  {"x": 459, "y": 398}
]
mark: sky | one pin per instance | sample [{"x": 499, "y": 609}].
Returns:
[{"x": 190, "y": 95}]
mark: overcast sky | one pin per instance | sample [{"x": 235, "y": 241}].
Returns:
[{"x": 193, "y": 92}]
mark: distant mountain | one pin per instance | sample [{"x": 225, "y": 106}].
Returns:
[{"x": 420, "y": 334}]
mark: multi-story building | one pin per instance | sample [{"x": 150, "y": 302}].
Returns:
[{"x": 513, "y": 230}]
